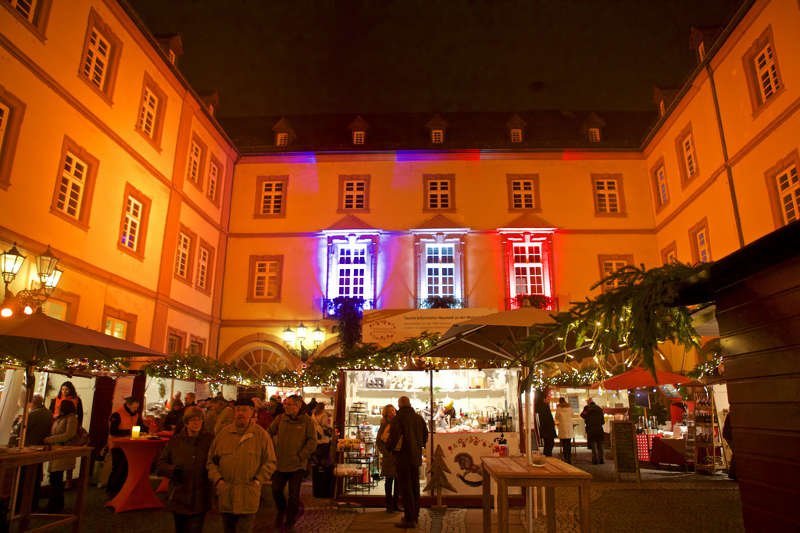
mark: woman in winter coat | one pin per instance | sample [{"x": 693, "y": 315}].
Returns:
[
  {"x": 183, "y": 461},
  {"x": 565, "y": 430},
  {"x": 67, "y": 393},
  {"x": 64, "y": 429},
  {"x": 388, "y": 461}
]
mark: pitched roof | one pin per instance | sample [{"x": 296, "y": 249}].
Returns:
[
  {"x": 544, "y": 130},
  {"x": 349, "y": 222},
  {"x": 440, "y": 222}
]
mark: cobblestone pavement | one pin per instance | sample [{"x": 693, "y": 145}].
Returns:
[{"x": 663, "y": 501}]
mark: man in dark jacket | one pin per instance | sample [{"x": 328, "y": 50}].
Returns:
[
  {"x": 547, "y": 426},
  {"x": 592, "y": 414},
  {"x": 183, "y": 461},
  {"x": 407, "y": 437}
]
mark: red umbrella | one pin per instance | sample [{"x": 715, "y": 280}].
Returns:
[{"x": 641, "y": 377}]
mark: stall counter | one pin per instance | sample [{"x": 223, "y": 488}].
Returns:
[{"x": 462, "y": 455}]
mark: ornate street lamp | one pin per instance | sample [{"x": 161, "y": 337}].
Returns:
[
  {"x": 28, "y": 300},
  {"x": 295, "y": 339}
]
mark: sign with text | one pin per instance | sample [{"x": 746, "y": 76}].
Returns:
[{"x": 384, "y": 327}]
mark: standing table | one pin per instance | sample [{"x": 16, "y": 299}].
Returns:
[
  {"x": 28, "y": 458},
  {"x": 516, "y": 472},
  {"x": 136, "y": 492}
]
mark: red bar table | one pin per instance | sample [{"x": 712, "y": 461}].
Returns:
[{"x": 137, "y": 493}]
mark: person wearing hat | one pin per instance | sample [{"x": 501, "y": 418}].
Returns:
[
  {"x": 241, "y": 459},
  {"x": 120, "y": 424},
  {"x": 183, "y": 461}
]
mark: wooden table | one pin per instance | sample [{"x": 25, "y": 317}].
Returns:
[
  {"x": 28, "y": 459},
  {"x": 515, "y": 472},
  {"x": 137, "y": 493}
]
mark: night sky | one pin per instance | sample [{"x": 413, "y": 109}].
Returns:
[{"x": 270, "y": 57}]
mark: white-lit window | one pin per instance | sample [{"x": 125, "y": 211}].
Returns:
[
  {"x": 528, "y": 269},
  {"x": 266, "y": 281},
  {"x": 351, "y": 270},
  {"x": 182, "y": 255},
  {"x": 97, "y": 58},
  {"x": 662, "y": 191},
  {"x": 359, "y": 137},
  {"x": 116, "y": 327},
  {"x": 148, "y": 112},
  {"x": 440, "y": 270},
  {"x": 5, "y": 115},
  {"x": 522, "y": 194},
  {"x": 71, "y": 186},
  {"x": 55, "y": 309},
  {"x": 132, "y": 224},
  {"x": 593, "y": 134},
  {"x": 272, "y": 197},
  {"x": 438, "y": 193},
  {"x": 195, "y": 161},
  {"x": 354, "y": 194},
  {"x": 769, "y": 80},
  {"x": 281, "y": 139},
  {"x": 788, "y": 185},
  {"x": 213, "y": 180},
  {"x": 437, "y": 136},
  {"x": 689, "y": 156},
  {"x": 606, "y": 195},
  {"x": 203, "y": 266},
  {"x": 516, "y": 135}
]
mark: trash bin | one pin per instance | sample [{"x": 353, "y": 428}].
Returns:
[{"x": 322, "y": 481}]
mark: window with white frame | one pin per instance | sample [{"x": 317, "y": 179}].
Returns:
[
  {"x": 610, "y": 264},
  {"x": 788, "y": 185},
  {"x": 437, "y": 136},
  {"x": 175, "y": 342},
  {"x": 204, "y": 257},
  {"x": 26, "y": 8},
  {"x": 439, "y": 192},
  {"x": 351, "y": 263},
  {"x": 662, "y": 189},
  {"x": 516, "y": 135},
  {"x": 148, "y": 112},
  {"x": 182, "y": 256},
  {"x": 528, "y": 269},
  {"x": 116, "y": 327},
  {"x": 523, "y": 193},
  {"x": 213, "y": 180},
  {"x": 265, "y": 279},
  {"x": 196, "y": 346},
  {"x": 71, "y": 186},
  {"x": 700, "y": 242},
  {"x": 271, "y": 200},
  {"x": 196, "y": 151},
  {"x": 593, "y": 134},
  {"x": 281, "y": 139},
  {"x": 607, "y": 195},
  {"x": 440, "y": 270},
  {"x": 766, "y": 67},
  {"x": 97, "y": 58},
  {"x": 134, "y": 210},
  {"x": 354, "y": 193},
  {"x": 689, "y": 156},
  {"x": 359, "y": 137}
]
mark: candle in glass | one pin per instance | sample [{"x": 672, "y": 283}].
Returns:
[{"x": 135, "y": 430}]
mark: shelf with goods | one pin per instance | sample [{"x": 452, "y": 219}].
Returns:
[{"x": 703, "y": 444}]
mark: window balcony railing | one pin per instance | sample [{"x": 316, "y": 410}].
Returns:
[
  {"x": 442, "y": 302},
  {"x": 332, "y": 307},
  {"x": 540, "y": 301}
]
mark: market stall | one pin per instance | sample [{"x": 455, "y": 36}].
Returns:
[{"x": 471, "y": 411}]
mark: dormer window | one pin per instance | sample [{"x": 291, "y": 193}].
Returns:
[
  {"x": 437, "y": 136},
  {"x": 281, "y": 139},
  {"x": 171, "y": 56},
  {"x": 516, "y": 135},
  {"x": 701, "y": 51},
  {"x": 662, "y": 108},
  {"x": 594, "y": 135},
  {"x": 359, "y": 137}
]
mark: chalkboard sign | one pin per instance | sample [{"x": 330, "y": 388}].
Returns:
[{"x": 623, "y": 436}]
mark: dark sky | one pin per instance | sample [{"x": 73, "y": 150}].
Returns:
[{"x": 275, "y": 57}]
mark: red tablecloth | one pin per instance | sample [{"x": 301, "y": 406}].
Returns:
[
  {"x": 644, "y": 443},
  {"x": 668, "y": 451},
  {"x": 137, "y": 493}
]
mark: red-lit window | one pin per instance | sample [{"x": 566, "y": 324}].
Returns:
[{"x": 529, "y": 260}]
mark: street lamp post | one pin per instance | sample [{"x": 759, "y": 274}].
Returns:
[
  {"x": 28, "y": 300},
  {"x": 295, "y": 340}
]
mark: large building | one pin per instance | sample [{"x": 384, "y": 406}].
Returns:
[{"x": 184, "y": 234}]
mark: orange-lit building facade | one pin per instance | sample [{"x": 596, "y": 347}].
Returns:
[{"x": 190, "y": 235}]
